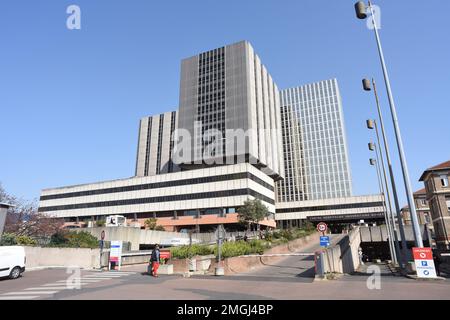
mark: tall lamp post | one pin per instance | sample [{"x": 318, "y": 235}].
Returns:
[
  {"x": 371, "y": 125},
  {"x": 388, "y": 212},
  {"x": 361, "y": 13},
  {"x": 375, "y": 163}
]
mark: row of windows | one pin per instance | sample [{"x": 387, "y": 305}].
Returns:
[
  {"x": 178, "y": 197},
  {"x": 149, "y": 138},
  {"x": 332, "y": 207},
  {"x": 165, "y": 184},
  {"x": 158, "y": 153}
]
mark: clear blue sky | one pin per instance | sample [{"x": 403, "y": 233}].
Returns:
[{"x": 70, "y": 101}]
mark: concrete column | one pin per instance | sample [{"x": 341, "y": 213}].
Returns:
[{"x": 3, "y": 209}]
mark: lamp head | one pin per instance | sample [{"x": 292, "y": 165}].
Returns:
[
  {"x": 366, "y": 85},
  {"x": 360, "y": 8}
]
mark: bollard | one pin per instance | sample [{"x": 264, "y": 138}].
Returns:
[{"x": 319, "y": 264}]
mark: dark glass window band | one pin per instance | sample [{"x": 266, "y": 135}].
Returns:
[
  {"x": 332, "y": 207},
  {"x": 156, "y": 185},
  {"x": 178, "y": 197}
]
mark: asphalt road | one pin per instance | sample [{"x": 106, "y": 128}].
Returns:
[{"x": 290, "y": 278}]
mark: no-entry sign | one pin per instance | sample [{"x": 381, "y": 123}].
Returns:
[
  {"x": 322, "y": 227},
  {"x": 423, "y": 259}
]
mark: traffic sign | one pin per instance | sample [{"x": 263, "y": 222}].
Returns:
[
  {"x": 423, "y": 259},
  {"x": 322, "y": 227},
  {"x": 325, "y": 241}
]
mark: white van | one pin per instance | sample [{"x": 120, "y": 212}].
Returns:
[{"x": 12, "y": 261}]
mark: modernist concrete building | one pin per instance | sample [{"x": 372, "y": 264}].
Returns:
[
  {"x": 202, "y": 197},
  {"x": 315, "y": 149},
  {"x": 338, "y": 211},
  {"x": 155, "y": 145},
  {"x": 227, "y": 94},
  {"x": 436, "y": 180},
  {"x": 228, "y": 90}
]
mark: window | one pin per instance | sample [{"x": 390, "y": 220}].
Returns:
[{"x": 444, "y": 181}]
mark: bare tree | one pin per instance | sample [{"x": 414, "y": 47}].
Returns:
[{"x": 24, "y": 219}]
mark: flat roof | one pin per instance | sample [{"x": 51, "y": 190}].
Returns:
[{"x": 6, "y": 205}]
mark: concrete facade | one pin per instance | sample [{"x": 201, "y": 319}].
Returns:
[
  {"x": 436, "y": 180},
  {"x": 155, "y": 145},
  {"x": 38, "y": 257},
  {"x": 229, "y": 90},
  {"x": 349, "y": 209},
  {"x": 181, "y": 199}
]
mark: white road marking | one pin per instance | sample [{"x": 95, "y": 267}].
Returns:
[
  {"x": 47, "y": 288},
  {"x": 30, "y": 292},
  {"x": 96, "y": 278},
  {"x": 76, "y": 281},
  {"x": 19, "y": 298},
  {"x": 116, "y": 273}
]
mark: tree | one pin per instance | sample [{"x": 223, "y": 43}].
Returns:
[
  {"x": 252, "y": 212},
  {"x": 24, "y": 219},
  {"x": 152, "y": 224}
]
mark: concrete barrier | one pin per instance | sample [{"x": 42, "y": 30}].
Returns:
[
  {"x": 38, "y": 257},
  {"x": 139, "y": 236},
  {"x": 241, "y": 264},
  {"x": 343, "y": 257}
]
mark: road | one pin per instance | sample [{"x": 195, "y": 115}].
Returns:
[{"x": 290, "y": 278}]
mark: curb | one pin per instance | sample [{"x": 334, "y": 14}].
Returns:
[{"x": 414, "y": 277}]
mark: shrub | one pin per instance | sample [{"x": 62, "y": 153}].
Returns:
[
  {"x": 8, "y": 239},
  {"x": 74, "y": 240},
  {"x": 100, "y": 223},
  {"x": 25, "y": 241},
  {"x": 183, "y": 252},
  {"x": 241, "y": 248}
]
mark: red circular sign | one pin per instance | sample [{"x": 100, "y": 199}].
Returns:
[{"x": 322, "y": 227}]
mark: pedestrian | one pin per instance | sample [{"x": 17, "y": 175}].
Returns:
[
  {"x": 154, "y": 260},
  {"x": 437, "y": 262}
]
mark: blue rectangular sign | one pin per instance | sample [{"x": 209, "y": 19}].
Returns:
[{"x": 324, "y": 241}]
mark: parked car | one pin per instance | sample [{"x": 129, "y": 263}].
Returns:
[{"x": 12, "y": 261}]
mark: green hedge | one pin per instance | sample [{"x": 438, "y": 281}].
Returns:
[
  {"x": 73, "y": 240},
  {"x": 241, "y": 248},
  {"x": 10, "y": 239},
  {"x": 229, "y": 249},
  {"x": 183, "y": 252}
]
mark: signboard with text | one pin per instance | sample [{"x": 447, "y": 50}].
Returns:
[
  {"x": 116, "y": 251},
  {"x": 423, "y": 259},
  {"x": 324, "y": 241}
]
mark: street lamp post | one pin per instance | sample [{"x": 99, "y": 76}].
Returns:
[
  {"x": 375, "y": 162},
  {"x": 361, "y": 9},
  {"x": 367, "y": 87},
  {"x": 390, "y": 224}
]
